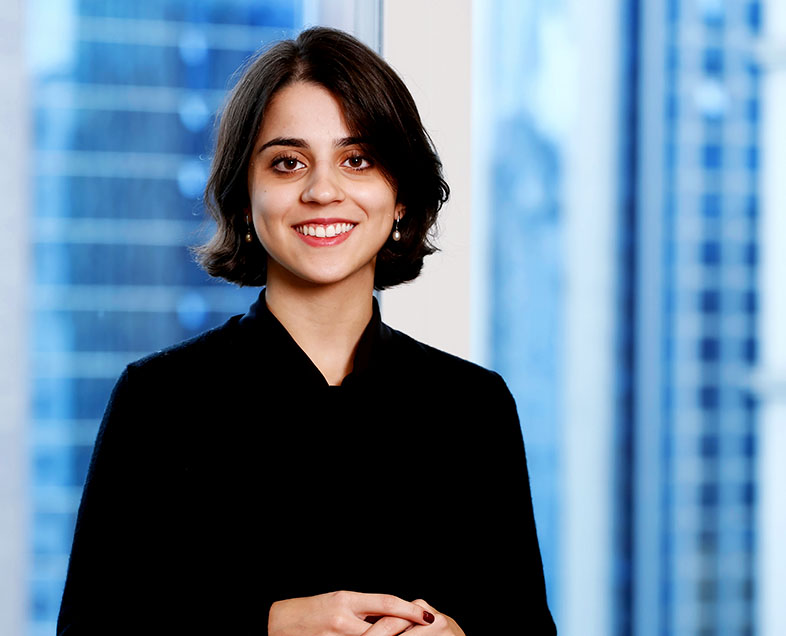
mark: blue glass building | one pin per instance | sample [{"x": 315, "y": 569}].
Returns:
[
  {"x": 123, "y": 96},
  {"x": 683, "y": 492},
  {"x": 696, "y": 339}
]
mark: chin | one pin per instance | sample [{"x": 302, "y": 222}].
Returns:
[{"x": 325, "y": 278}]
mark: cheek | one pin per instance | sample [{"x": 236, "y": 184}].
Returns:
[
  {"x": 269, "y": 205},
  {"x": 378, "y": 200}
]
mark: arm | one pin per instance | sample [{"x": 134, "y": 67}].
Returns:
[
  {"x": 514, "y": 582},
  {"x": 102, "y": 527},
  {"x": 493, "y": 574},
  {"x": 126, "y": 573}
]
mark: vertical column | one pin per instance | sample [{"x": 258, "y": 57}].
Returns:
[
  {"x": 590, "y": 254},
  {"x": 14, "y": 282},
  {"x": 649, "y": 415},
  {"x": 430, "y": 45},
  {"x": 772, "y": 433}
]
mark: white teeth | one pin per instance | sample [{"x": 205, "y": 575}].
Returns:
[{"x": 325, "y": 231}]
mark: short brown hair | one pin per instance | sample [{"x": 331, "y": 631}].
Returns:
[{"x": 377, "y": 108}]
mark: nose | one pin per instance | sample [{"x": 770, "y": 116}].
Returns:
[{"x": 322, "y": 186}]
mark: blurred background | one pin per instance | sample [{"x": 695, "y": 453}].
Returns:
[{"x": 617, "y": 237}]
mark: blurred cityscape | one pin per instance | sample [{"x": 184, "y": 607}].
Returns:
[{"x": 641, "y": 402}]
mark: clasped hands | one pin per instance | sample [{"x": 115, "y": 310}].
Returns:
[{"x": 356, "y": 614}]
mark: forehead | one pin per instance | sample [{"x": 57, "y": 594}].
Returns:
[{"x": 303, "y": 110}]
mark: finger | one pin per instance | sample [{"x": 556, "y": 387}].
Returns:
[
  {"x": 389, "y": 626},
  {"x": 441, "y": 622},
  {"x": 440, "y": 626},
  {"x": 364, "y": 605},
  {"x": 424, "y": 605},
  {"x": 345, "y": 624}
]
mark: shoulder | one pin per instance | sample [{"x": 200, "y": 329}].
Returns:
[
  {"x": 438, "y": 389},
  {"x": 433, "y": 365},
  {"x": 210, "y": 349},
  {"x": 185, "y": 382}
]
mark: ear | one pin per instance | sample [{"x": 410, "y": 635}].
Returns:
[{"x": 400, "y": 211}]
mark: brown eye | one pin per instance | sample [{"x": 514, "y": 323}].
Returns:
[
  {"x": 287, "y": 164},
  {"x": 357, "y": 162}
]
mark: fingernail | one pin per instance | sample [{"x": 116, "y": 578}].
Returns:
[{"x": 428, "y": 617}]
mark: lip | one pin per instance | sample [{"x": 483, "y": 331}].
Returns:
[
  {"x": 325, "y": 221},
  {"x": 323, "y": 241}
]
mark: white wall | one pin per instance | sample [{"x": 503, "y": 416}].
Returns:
[
  {"x": 429, "y": 44},
  {"x": 14, "y": 212}
]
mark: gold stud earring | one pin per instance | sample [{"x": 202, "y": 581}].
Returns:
[{"x": 249, "y": 238}]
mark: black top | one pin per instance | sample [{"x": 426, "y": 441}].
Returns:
[{"x": 228, "y": 474}]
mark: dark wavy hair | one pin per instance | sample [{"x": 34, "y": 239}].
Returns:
[{"x": 377, "y": 108}]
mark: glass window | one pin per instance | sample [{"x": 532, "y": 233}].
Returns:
[
  {"x": 708, "y": 495},
  {"x": 712, "y": 62},
  {"x": 708, "y": 446},
  {"x": 710, "y": 253},
  {"x": 752, "y": 158},
  {"x": 752, "y": 109},
  {"x": 753, "y": 15},
  {"x": 709, "y": 301},
  {"x": 709, "y": 349},
  {"x": 711, "y": 205},
  {"x": 711, "y": 156},
  {"x": 709, "y": 397}
]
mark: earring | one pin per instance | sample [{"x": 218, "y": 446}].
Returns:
[
  {"x": 396, "y": 233},
  {"x": 249, "y": 238}
]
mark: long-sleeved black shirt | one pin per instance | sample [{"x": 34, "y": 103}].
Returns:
[{"x": 227, "y": 474}]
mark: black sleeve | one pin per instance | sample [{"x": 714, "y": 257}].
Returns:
[
  {"x": 158, "y": 546},
  {"x": 97, "y": 585},
  {"x": 506, "y": 571}
]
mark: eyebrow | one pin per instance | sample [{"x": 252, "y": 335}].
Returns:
[{"x": 294, "y": 142}]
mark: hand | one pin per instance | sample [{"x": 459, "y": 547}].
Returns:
[
  {"x": 442, "y": 625},
  {"x": 344, "y": 614}
]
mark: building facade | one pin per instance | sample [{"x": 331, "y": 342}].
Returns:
[{"x": 697, "y": 301}]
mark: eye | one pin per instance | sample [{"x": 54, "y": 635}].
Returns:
[
  {"x": 358, "y": 162},
  {"x": 287, "y": 164}
]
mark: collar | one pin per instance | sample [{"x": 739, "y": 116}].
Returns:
[{"x": 279, "y": 349}]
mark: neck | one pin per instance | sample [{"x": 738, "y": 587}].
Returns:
[{"x": 326, "y": 321}]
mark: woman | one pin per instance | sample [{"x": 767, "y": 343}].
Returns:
[{"x": 303, "y": 468}]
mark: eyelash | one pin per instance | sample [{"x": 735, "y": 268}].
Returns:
[
  {"x": 369, "y": 162},
  {"x": 277, "y": 161}
]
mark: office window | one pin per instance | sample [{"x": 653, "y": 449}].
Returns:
[
  {"x": 712, "y": 62},
  {"x": 711, "y": 156}
]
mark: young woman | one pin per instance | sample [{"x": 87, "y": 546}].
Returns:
[{"x": 304, "y": 469}]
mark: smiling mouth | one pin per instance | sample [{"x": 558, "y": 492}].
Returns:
[{"x": 324, "y": 230}]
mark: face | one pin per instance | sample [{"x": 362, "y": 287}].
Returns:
[{"x": 320, "y": 207}]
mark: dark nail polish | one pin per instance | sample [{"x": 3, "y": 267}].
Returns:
[{"x": 428, "y": 617}]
